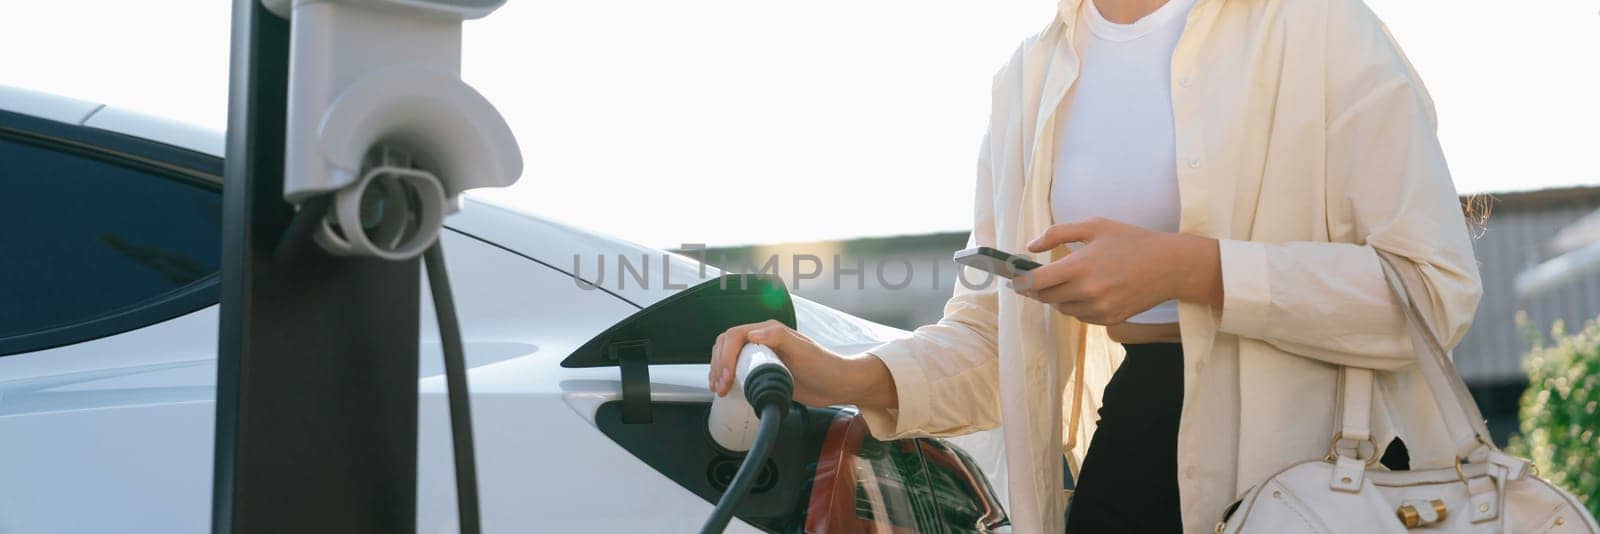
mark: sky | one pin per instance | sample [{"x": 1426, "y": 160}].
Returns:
[{"x": 763, "y": 121}]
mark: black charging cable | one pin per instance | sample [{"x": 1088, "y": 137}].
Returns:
[
  {"x": 455, "y": 377},
  {"x": 770, "y": 390},
  {"x": 296, "y": 240}
]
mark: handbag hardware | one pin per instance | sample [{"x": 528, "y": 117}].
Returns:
[
  {"x": 1333, "y": 449},
  {"x": 1412, "y": 518}
]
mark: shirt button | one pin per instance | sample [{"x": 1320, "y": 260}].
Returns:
[
  {"x": 1184, "y": 81},
  {"x": 1188, "y": 472},
  {"x": 1194, "y": 162}
]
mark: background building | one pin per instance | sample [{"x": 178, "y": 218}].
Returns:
[
  {"x": 903, "y": 281},
  {"x": 1519, "y": 235}
]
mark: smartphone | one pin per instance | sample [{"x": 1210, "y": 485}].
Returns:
[{"x": 995, "y": 261}]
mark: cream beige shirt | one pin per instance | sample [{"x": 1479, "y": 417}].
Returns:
[{"x": 1305, "y": 141}]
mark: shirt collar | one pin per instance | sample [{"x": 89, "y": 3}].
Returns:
[{"x": 1065, "y": 9}]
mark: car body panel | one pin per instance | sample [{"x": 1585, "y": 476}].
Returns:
[{"x": 120, "y": 425}]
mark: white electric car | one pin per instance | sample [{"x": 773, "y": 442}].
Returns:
[{"x": 108, "y": 338}]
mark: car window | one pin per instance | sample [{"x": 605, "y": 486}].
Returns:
[{"x": 83, "y": 237}]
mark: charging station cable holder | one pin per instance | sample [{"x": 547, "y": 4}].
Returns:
[
  {"x": 397, "y": 209},
  {"x": 373, "y": 79}
]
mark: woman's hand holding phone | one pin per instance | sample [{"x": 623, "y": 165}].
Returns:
[{"x": 1121, "y": 270}]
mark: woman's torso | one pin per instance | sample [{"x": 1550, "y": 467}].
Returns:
[
  {"x": 1114, "y": 139},
  {"x": 1250, "y": 91}
]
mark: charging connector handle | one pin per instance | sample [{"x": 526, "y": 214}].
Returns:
[
  {"x": 758, "y": 375},
  {"x": 768, "y": 389}
]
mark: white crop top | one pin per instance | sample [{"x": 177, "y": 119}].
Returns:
[{"x": 1115, "y": 150}]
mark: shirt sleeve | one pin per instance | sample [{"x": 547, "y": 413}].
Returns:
[
  {"x": 946, "y": 373},
  {"x": 1389, "y": 187}
]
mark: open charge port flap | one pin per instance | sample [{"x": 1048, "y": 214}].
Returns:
[{"x": 680, "y": 330}]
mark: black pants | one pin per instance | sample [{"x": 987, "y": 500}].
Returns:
[{"x": 1129, "y": 480}]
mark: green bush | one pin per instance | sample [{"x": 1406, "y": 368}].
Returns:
[{"x": 1561, "y": 410}]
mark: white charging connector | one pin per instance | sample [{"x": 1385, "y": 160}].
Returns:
[
  {"x": 761, "y": 385},
  {"x": 733, "y": 422}
]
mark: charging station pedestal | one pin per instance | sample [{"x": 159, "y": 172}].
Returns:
[
  {"x": 350, "y": 137},
  {"x": 317, "y": 355}
]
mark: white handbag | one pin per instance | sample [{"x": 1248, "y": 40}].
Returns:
[{"x": 1487, "y": 490}]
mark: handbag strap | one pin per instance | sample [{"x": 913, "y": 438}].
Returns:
[
  {"x": 1354, "y": 415},
  {"x": 1462, "y": 420}
]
